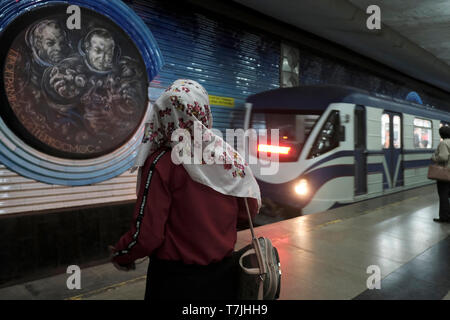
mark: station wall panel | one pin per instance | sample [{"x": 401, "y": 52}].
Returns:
[
  {"x": 20, "y": 194},
  {"x": 322, "y": 69},
  {"x": 230, "y": 61}
]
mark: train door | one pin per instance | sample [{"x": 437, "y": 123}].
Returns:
[
  {"x": 391, "y": 139},
  {"x": 360, "y": 151}
]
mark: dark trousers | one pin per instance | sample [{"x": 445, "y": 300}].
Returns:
[
  {"x": 444, "y": 205},
  {"x": 173, "y": 280}
]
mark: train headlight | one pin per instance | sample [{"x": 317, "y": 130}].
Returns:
[
  {"x": 301, "y": 188},
  {"x": 273, "y": 149}
]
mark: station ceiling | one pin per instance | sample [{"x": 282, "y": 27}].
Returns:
[{"x": 414, "y": 37}]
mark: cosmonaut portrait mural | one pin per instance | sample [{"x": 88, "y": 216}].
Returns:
[
  {"x": 74, "y": 79},
  {"x": 77, "y": 93}
]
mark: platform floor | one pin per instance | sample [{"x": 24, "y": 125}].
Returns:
[{"x": 323, "y": 256}]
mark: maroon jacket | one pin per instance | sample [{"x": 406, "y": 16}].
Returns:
[{"x": 182, "y": 220}]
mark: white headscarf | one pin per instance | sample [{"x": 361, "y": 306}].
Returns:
[{"x": 185, "y": 105}]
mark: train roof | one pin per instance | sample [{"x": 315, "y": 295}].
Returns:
[{"x": 318, "y": 97}]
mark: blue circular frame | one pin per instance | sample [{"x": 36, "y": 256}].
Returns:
[{"x": 31, "y": 163}]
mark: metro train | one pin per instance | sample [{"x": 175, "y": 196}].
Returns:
[{"x": 338, "y": 145}]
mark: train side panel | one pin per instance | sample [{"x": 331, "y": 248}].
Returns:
[{"x": 332, "y": 173}]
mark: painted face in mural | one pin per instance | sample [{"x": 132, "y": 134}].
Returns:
[
  {"x": 85, "y": 97},
  {"x": 49, "y": 41},
  {"x": 100, "y": 47}
]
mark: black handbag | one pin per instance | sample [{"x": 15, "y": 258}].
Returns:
[{"x": 259, "y": 268}]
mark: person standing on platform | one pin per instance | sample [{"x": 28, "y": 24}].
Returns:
[
  {"x": 186, "y": 216},
  {"x": 441, "y": 157}
]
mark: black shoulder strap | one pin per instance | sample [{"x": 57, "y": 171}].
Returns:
[{"x": 141, "y": 206}]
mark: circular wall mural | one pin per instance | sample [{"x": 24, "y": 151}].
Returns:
[
  {"x": 73, "y": 83},
  {"x": 74, "y": 93}
]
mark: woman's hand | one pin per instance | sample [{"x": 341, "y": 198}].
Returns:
[{"x": 128, "y": 267}]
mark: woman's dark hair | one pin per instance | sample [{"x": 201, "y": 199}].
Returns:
[{"x": 444, "y": 132}]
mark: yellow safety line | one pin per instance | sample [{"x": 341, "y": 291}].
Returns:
[
  {"x": 327, "y": 223},
  {"x": 365, "y": 212},
  {"x": 114, "y": 286},
  {"x": 389, "y": 205}
]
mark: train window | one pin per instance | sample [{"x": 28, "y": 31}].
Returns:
[
  {"x": 397, "y": 132},
  {"x": 259, "y": 121},
  {"x": 328, "y": 138},
  {"x": 422, "y": 133},
  {"x": 294, "y": 129},
  {"x": 385, "y": 131}
]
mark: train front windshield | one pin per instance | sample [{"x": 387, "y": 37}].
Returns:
[{"x": 294, "y": 129}]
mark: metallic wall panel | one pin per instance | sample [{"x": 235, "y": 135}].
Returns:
[
  {"x": 228, "y": 60},
  {"x": 20, "y": 194}
]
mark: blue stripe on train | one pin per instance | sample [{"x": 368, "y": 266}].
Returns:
[
  {"x": 285, "y": 193},
  {"x": 375, "y": 168},
  {"x": 340, "y": 154},
  {"x": 407, "y": 164},
  {"x": 411, "y": 164}
]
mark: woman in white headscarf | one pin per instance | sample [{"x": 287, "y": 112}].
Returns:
[{"x": 186, "y": 214}]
